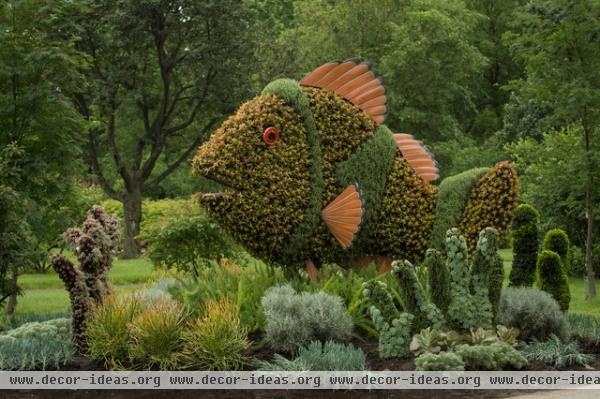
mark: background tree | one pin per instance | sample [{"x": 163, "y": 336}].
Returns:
[
  {"x": 557, "y": 42},
  {"x": 161, "y": 74},
  {"x": 38, "y": 132}
]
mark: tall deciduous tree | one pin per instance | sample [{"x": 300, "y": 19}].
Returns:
[
  {"x": 161, "y": 74},
  {"x": 558, "y": 42},
  {"x": 38, "y": 128}
]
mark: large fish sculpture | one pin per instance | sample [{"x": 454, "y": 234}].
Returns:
[{"x": 313, "y": 175}]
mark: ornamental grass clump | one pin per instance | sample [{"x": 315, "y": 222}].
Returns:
[
  {"x": 156, "y": 336},
  {"x": 586, "y": 327},
  {"x": 217, "y": 340},
  {"x": 295, "y": 319},
  {"x": 109, "y": 330},
  {"x": 556, "y": 353}
]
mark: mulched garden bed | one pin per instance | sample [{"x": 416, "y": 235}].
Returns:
[{"x": 367, "y": 345}]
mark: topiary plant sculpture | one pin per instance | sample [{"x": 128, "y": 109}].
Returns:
[
  {"x": 87, "y": 284},
  {"x": 312, "y": 175},
  {"x": 553, "y": 278},
  {"x": 525, "y": 245}
]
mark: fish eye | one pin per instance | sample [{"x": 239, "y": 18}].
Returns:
[{"x": 271, "y": 136}]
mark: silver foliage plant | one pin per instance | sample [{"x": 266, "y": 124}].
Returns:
[
  {"x": 295, "y": 319},
  {"x": 331, "y": 356},
  {"x": 36, "y": 345}
]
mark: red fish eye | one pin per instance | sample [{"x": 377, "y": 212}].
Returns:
[{"x": 271, "y": 136}]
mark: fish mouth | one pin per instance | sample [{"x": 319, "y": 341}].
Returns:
[
  {"x": 222, "y": 193},
  {"x": 216, "y": 197}
]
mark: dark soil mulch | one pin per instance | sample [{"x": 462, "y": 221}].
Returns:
[{"x": 262, "y": 352}]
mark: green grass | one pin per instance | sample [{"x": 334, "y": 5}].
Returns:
[
  {"x": 54, "y": 300},
  {"x": 44, "y": 293},
  {"x": 578, "y": 305},
  {"x": 130, "y": 271}
]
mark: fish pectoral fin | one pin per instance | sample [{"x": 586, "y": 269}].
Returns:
[{"x": 344, "y": 215}]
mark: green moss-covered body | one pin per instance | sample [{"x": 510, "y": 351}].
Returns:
[{"x": 327, "y": 144}]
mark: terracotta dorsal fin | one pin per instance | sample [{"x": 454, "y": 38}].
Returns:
[
  {"x": 344, "y": 214},
  {"x": 354, "y": 81},
  {"x": 418, "y": 157}
]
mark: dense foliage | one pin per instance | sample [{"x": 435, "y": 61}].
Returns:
[
  {"x": 557, "y": 240},
  {"x": 556, "y": 353},
  {"x": 330, "y": 356},
  {"x": 525, "y": 246},
  {"x": 555, "y": 42},
  {"x": 470, "y": 306},
  {"x": 188, "y": 242},
  {"x": 534, "y": 312},
  {"x": 40, "y": 142},
  {"x": 451, "y": 202},
  {"x": 553, "y": 278},
  {"x": 492, "y": 203},
  {"x": 36, "y": 345},
  {"x": 295, "y": 319}
]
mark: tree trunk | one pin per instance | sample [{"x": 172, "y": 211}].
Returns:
[
  {"x": 589, "y": 211},
  {"x": 11, "y": 304},
  {"x": 132, "y": 207}
]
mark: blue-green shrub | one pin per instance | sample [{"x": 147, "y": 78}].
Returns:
[
  {"x": 295, "y": 319},
  {"x": 37, "y": 345},
  {"x": 445, "y": 361},
  {"x": 534, "y": 312},
  {"x": 331, "y": 356},
  {"x": 496, "y": 356}
]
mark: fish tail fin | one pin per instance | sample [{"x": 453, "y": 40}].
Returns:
[
  {"x": 417, "y": 156},
  {"x": 491, "y": 203}
]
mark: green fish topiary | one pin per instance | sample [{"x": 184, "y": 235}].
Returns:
[{"x": 313, "y": 175}]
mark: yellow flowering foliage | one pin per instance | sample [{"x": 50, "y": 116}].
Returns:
[
  {"x": 342, "y": 127},
  {"x": 271, "y": 182},
  {"x": 406, "y": 215},
  {"x": 492, "y": 203}
]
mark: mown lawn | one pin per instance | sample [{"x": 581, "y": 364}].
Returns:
[{"x": 44, "y": 293}]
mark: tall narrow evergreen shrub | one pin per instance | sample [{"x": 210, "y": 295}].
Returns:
[
  {"x": 557, "y": 240},
  {"x": 553, "y": 278},
  {"x": 525, "y": 246}
]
